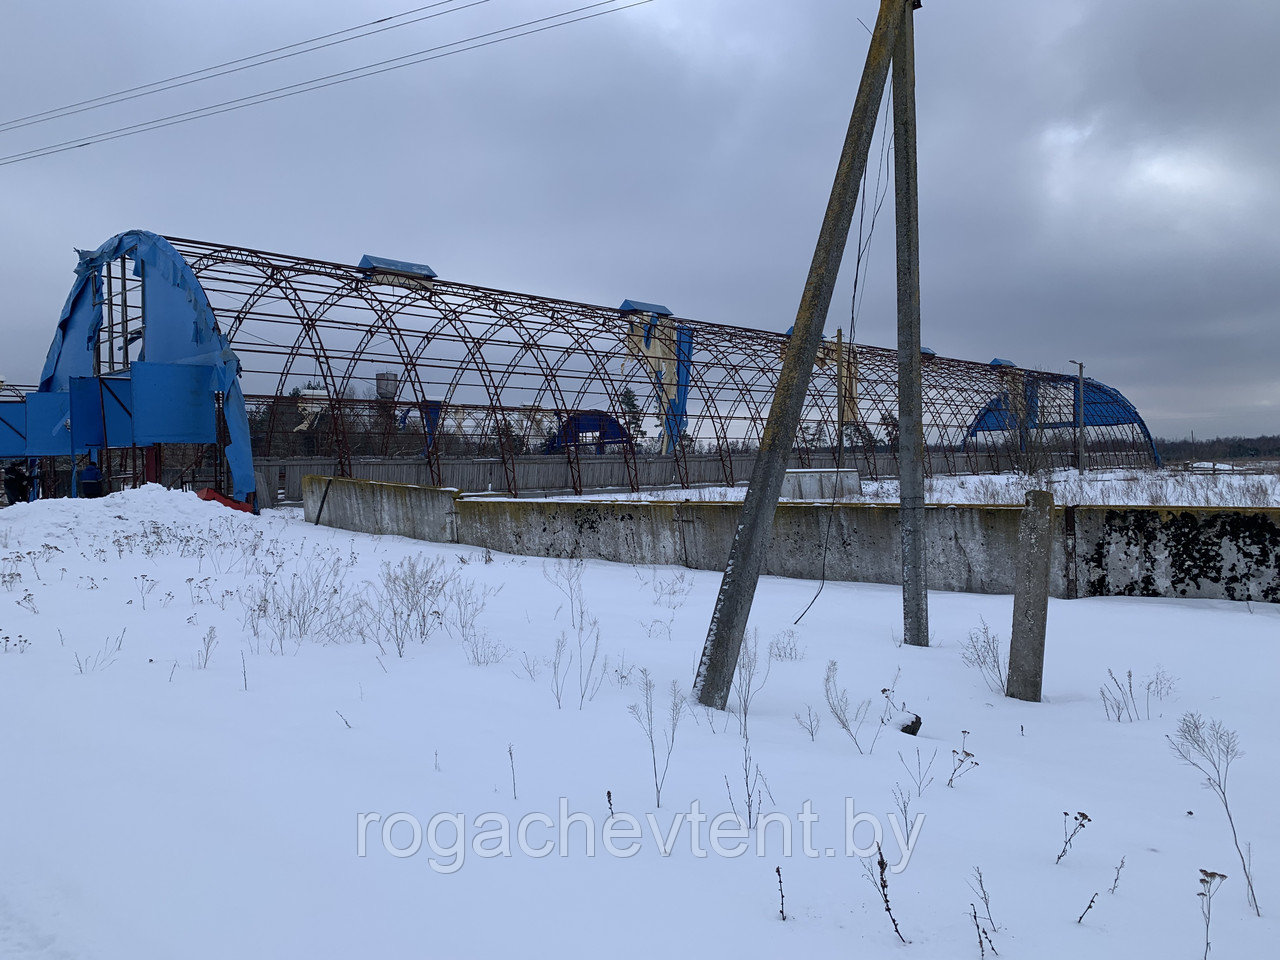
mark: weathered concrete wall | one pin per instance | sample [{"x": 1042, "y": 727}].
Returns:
[
  {"x": 1180, "y": 552},
  {"x": 820, "y": 484},
  {"x": 423, "y": 513},
  {"x": 1228, "y": 553}
]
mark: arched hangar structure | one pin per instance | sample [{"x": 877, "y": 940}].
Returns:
[{"x": 383, "y": 358}]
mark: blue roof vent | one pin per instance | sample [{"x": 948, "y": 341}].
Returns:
[
  {"x": 998, "y": 362},
  {"x": 929, "y": 351},
  {"x": 402, "y": 268},
  {"x": 639, "y": 306}
]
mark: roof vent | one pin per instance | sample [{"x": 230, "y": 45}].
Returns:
[
  {"x": 396, "y": 273},
  {"x": 639, "y": 306}
]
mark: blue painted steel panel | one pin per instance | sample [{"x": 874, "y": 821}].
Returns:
[
  {"x": 13, "y": 428},
  {"x": 48, "y": 424},
  {"x": 117, "y": 410},
  {"x": 86, "y": 414},
  {"x": 172, "y": 403},
  {"x": 677, "y": 419}
]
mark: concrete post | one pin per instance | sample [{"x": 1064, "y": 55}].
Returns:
[
  {"x": 915, "y": 587},
  {"x": 1031, "y": 598},
  {"x": 746, "y": 556}
]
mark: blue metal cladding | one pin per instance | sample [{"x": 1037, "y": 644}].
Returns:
[
  {"x": 430, "y": 413},
  {"x": 86, "y": 414},
  {"x": 13, "y": 428},
  {"x": 48, "y": 424},
  {"x": 173, "y": 403},
  {"x": 607, "y": 430},
  {"x": 639, "y": 306},
  {"x": 1104, "y": 406},
  {"x": 677, "y": 413},
  {"x": 374, "y": 264},
  {"x": 180, "y": 330},
  {"x": 117, "y": 410}
]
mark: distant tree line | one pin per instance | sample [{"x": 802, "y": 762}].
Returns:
[{"x": 1219, "y": 448}]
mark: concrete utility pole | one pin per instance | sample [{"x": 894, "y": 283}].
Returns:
[
  {"x": 1080, "y": 458},
  {"x": 911, "y": 512},
  {"x": 1031, "y": 598},
  {"x": 755, "y": 529}
]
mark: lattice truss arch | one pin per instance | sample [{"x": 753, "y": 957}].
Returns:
[{"x": 372, "y": 366}]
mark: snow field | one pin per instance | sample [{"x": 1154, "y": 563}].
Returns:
[{"x": 153, "y": 808}]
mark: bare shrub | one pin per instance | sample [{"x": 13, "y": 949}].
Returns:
[
  {"x": 920, "y": 777},
  {"x": 1211, "y": 749},
  {"x": 755, "y": 787},
  {"x": 481, "y": 650},
  {"x": 749, "y": 678},
  {"x": 620, "y": 675},
  {"x": 786, "y": 647},
  {"x": 671, "y": 591},
  {"x": 559, "y": 664},
  {"x": 882, "y": 885},
  {"x": 978, "y": 884},
  {"x": 1071, "y": 827},
  {"x": 464, "y": 601},
  {"x": 312, "y": 602},
  {"x": 1120, "y": 697},
  {"x": 657, "y": 629},
  {"x": 962, "y": 760},
  {"x": 206, "y": 650},
  {"x": 591, "y": 667},
  {"x": 850, "y": 719},
  {"x": 530, "y": 665},
  {"x": 566, "y": 577},
  {"x": 643, "y": 712},
  {"x": 103, "y": 658},
  {"x": 984, "y": 652},
  {"x": 405, "y": 604},
  {"x": 1210, "y": 881},
  {"x": 810, "y": 722}
]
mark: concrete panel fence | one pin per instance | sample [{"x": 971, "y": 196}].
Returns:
[{"x": 1097, "y": 551}]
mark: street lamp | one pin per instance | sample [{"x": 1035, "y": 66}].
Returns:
[{"x": 1080, "y": 461}]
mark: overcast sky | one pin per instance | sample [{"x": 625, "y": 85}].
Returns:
[{"x": 1098, "y": 180}]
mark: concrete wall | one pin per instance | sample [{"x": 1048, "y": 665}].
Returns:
[
  {"x": 532, "y": 473},
  {"x": 1179, "y": 552},
  {"x": 423, "y": 513},
  {"x": 970, "y": 548},
  {"x": 1097, "y": 551}
]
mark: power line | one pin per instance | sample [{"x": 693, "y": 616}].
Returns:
[
  {"x": 330, "y": 80},
  {"x": 861, "y": 263},
  {"x": 230, "y": 66}
]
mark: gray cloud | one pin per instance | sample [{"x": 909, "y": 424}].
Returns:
[{"x": 1098, "y": 180}]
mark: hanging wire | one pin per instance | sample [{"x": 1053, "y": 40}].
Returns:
[{"x": 860, "y": 264}]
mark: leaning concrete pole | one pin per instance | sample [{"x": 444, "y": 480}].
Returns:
[
  {"x": 746, "y": 556},
  {"x": 915, "y": 587}
]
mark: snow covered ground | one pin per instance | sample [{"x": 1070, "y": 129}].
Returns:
[
  {"x": 155, "y": 807},
  {"x": 1210, "y": 487}
]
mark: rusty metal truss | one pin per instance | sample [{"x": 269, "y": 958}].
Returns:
[{"x": 351, "y": 363}]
